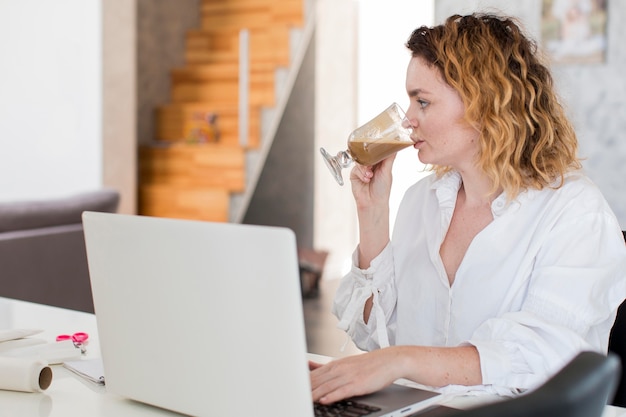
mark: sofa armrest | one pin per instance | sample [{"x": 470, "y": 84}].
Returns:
[
  {"x": 22, "y": 215},
  {"x": 42, "y": 249}
]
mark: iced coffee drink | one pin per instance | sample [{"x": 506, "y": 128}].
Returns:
[
  {"x": 369, "y": 144},
  {"x": 366, "y": 152}
]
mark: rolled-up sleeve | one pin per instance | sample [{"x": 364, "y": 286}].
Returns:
[
  {"x": 355, "y": 289},
  {"x": 575, "y": 288}
]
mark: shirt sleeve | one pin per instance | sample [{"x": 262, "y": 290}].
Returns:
[
  {"x": 577, "y": 284},
  {"x": 355, "y": 289}
]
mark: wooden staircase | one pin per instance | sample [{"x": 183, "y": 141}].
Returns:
[{"x": 189, "y": 171}]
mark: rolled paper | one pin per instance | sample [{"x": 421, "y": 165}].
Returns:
[{"x": 24, "y": 374}]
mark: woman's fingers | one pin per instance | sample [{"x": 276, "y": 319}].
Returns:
[
  {"x": 349, "y": 377},
  {"x": 361, "y": 173}
]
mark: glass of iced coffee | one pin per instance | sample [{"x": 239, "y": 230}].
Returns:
[{"x": 369, "y": 144}]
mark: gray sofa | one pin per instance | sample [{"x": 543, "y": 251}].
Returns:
[{"x": 42, "y": 249}]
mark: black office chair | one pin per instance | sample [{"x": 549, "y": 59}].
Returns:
[
  {"x": 617, "y": 345},
  {"x": 581, "y": 389}
]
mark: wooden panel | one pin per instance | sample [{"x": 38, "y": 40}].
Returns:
[
  {"x": 267, "y": 44},
  {"x": 206, "y": 72},
  {"x": 193, "y": 165},
  {"x": 176, "y": 122},
  {"x": 252, "y": 19},
  {"x": 239, "y": 13},
  {"x": 218, "y": 73},
  {"x": 289, "y": 11},
  {"x": 275, "y": 54},
  {"x": 227, "y": 92},
  {"x": 209, "y": 204}
]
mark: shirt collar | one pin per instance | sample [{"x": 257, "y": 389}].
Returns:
[{"x": 447, "y": 187}]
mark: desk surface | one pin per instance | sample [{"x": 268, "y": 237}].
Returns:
[
  {"x": 69, "y": 395},
  {"x": 72, "y": 396}
]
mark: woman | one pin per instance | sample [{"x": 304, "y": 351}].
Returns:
[{"x": 506, "y": 261}]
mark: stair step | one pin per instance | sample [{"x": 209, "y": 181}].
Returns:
[
  {"x": 276, "y": 55},
  {"x": 176, "y": 122},
  {"x": 272, "y": 41},
  {"x": 245, "y": 19},
  {"x": 227, "y": 38},
  {"x": 252, "y": 13},
  {"x": 203, "y": 165},
  {"x": 221, "y": 71},
  {"x": 282, "y": 7},
  {"x": 261, "y": 94},
  {"x": 184, "y": 202}
]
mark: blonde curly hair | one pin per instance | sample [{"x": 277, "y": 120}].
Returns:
[{"x": 526, "y": 140}]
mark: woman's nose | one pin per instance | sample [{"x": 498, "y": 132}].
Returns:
[
  {"x": 409, "y": 123},
  {"x": 409, "y": 117}
]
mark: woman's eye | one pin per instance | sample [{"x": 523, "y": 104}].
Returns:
[{"x": 422, "y": 103}]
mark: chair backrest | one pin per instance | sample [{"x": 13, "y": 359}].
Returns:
[
  {"x": 617, "y": 345},
  {"x": 42, "y": 248},
  {"x": 580, "y": 389}
]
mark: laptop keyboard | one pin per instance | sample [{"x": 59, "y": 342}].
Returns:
[{"x": 345, "y": 408}]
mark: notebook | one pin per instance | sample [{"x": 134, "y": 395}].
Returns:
[{"x": 205, "y": 318}]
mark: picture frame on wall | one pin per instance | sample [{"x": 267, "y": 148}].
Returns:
[{"x": 575, "y": 31}]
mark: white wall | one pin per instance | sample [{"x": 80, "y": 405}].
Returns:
[
  {"x": 361, "y": 69},
  {"x": 335, "y": 115},
  {"x": 50, "y": 98},
  {"x": 384, "y": 28}
]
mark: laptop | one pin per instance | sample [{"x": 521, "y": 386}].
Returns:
[{"x": 206, "y": 319}]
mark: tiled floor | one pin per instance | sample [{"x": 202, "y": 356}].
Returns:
[{"x": 322, "y": 334}]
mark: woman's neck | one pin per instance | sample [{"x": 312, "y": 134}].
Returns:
[{"x": 477, "y": 189}]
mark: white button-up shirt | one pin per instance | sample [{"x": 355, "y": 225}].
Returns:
[{"x": 537, "y": 285}]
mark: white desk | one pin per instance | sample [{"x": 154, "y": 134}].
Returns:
[{"x": 70, "y": 395}]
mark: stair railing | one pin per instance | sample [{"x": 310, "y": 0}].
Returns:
[
  {"x": 243, "y": 201},
  {"x": 244, "y": 86}
]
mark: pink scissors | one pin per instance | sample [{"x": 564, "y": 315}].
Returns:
[{"x": 79, "y": 339}]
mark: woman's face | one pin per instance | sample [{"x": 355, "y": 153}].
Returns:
[{"x": 436, "y": 113}]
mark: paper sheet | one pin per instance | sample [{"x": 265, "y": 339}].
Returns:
[
  {"x": 10, "y": 345},
  {"x": 51, "y": 353},
  {"x": 90, "y": 369},
  {"x": 12, "y": 334}
]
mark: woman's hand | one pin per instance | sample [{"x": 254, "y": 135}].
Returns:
[
  {"x": 371, "y": 186},
  {"x": 354, "y": 375},
  {"x": 369, "y": 372}
]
